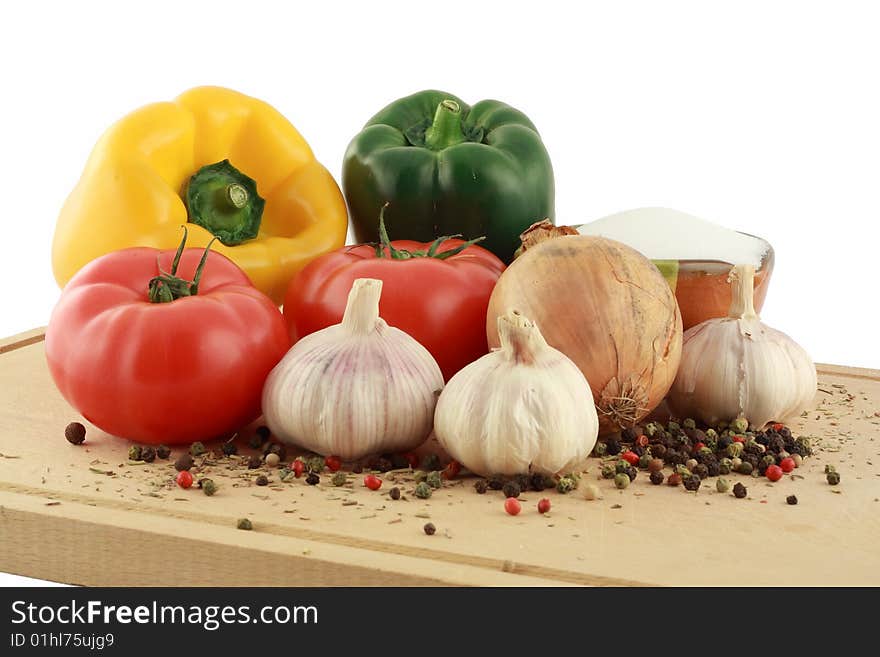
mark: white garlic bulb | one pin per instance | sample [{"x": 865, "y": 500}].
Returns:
[
  {"x": 360, "y": 387},
  {"x": 524, "y": 407},
  {"x": 737, "y": 366}
]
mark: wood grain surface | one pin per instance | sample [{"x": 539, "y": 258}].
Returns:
[{"x": 61, "y": 520}]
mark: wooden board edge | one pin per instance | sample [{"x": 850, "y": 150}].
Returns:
[
  {"x": 848, "y": 371},
  {"x": 20, "y": 340}
]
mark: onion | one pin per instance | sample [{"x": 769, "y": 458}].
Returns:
[{"x": 606, "y": 307}]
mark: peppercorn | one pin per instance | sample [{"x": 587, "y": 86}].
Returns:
[
  {"x": 208, "y": 486},
  {"x": 313, "y": 479},
  {"x": 752, "y": 459},
  {"x": 245, "y": 524},
  {"x": 657, "y": 477},
  {"x": 357, "y": 469},
  {"x": 134, "y": 453},
  {"x": 255, "y": 442},
  {"x": 511, "y": 489},
  {"x": 148, "y": 454},
  {"x": 740, "y": 425},
  {"x": 481, "y": 486},
  {"x": 672, "y": 425},
  {"x": 394, "y": 493},
  {"x": 645, "y": 461},
  {"x": 682, "y": 470},
  {"x": 768, "y": 460},
  {"x": 701, "y": 470},
  {"x": 724, "y": 442},
  {"x": 339, "y": 479},
  {"x": 230, "y": 448},
  {"x": 713, "y": 469},
  {"x": 496, "y": 482},
  {"x": 566, "y": 484},
  {"x": 674, "y": 479},
  {"x": 650, "y": 429},
  {"x": 612, "y": 447},
  {"x": 399, "y": 461},
  {"x": 430, "y": 462},
  {"x": 262, "y": 480},
  {"x": 620, "y": 467},
  {"x": 423, "y": 491},
  {"x": 632, "y": 473},
  {"x": 757, "y": 449},
  {"x": 163, "y": 452},
  {"x": 745, "y": 468},
  {"x": 830, "y": 468},
  {"x": 286, "y": 474},
  {"x": 75, "y": 433},
  {"x": 692, "y": 483},
  {"x": 434, "y": 480},
  {"x": 183, "y": 462},
  {"x": 621, "y": 481},
  {"x": 833, "y": 478},
  {"x": 315, "y": 464},
  {"x": 798, "y": 460},
  {"x": 197, "y": 448},
  {"x": 272, "y": 460},
  {"x": 429, "y": 528},
  {"x": 658, "y": 450},
  {"x": 523, "y": 481},
  {"x": 276, "y": 448},
  {"x": 600, "y": 450},
  {"x": 384, "y": 464},
  {"x": 722, "y": 485},
  {"x": 655, "y": 465},
  {"x": 536, "y": 481},
  {"x": 792, "y": 499},
  {"x": 608, "y": 471},
  {"x": 740, "y": 491},
  {"x": 254, "y": 462}
]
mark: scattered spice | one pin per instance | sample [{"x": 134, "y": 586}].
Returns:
[
  {"x": 543, "y": 505},
  {"x": 312, "y": 479},
  {"x": 197, "y": 448},
  {"x": 184, "y": 479},
  {"x": 254, "y": 462},
  {"x": 429, "y": 528},
  {"x": 674, "y": 479},
  {"x": 229, "y": 448},
  {"x": 183, "y": 462},
  {"x": 339, "y": 479},
  {"x": 148, "y": 454},
  {"x": 298, "y": 467},
  {"x": 833, "y": 478},
  {"x": 262, "y": 480},
  {"x": 481, "y": 486},
  {"x": 333, "y": 463},
  {"x": 134, "y": 453},
  {"x": 430, "y": 462},
  {"x": 591, "y": 492},
  {"x": 740, "y": 491},
  {"x": 75, "y": 433},
  {"x": 208, "y": 486},
  {"x": 511, "y": 489},
  {"x": 245, "y": 524},
  {"x": 372, "y": 482},
  {"x": 773, "y": 473},
  {"x": 272, "y": 459},
  {"x": 394, "y": 493},
  {"x": 656, "y": 477},
  {"x": 722, "y": 485},
  {"x": 791, "y": 499},
  {"x": 621, "y": 480},
  {"x": 692, "y": 483},
  {"x": 567, "y": 483},
  {"x": 423, "y": 491},
  {"x": 163, "y": 451},
  {"x": 512, "y": 506},
  {"x": 434, "y": 480}
]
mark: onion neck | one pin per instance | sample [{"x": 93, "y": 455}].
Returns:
[
  {"x": 520, "y": 338},
  {"x": 362, "y": 309},
  {"x": 742, "y": 282}
]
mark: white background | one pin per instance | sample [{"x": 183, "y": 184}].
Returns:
[{"x": 763, "y": 116}]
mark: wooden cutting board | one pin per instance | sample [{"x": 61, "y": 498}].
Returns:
[{"x": 61, "y": 520}]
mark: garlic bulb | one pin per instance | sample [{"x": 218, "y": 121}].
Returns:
[
  {"x": 360, "y": 387},
  {"x": 524, "y": 407},
  {"x": 737, "y": 366}
]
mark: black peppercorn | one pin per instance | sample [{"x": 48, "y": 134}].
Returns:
[
  {"x": 481, "y": 486},
  {"x": 511, "y": 489},
  {"x": 183, "y": 462},
  {"x": 713, "y": 468},
  {"x": 263, "y": 432},
  {"x": 496, "y": 482},
  {"x": 313, "y": 479},
  {"x": 394, "y": 493},
  {"x": 632, "y": 473},
  {"x": 523, "y": 481},
  {"x": 745, "y": 468},
  {"x": 692, "y": 483},
  {"x": 430, "y": 462},
  {"x": 658, "y": 450},
  {"x": 701, "y": 470},
  {"x": 262, "y": 480},
  {"x": 833, "y": 478},
  {"x": 628, "y": 435},
  {"x": 791, "y": 499},
  {"x": 612, "y": 447},
  {"x": 163, "y": 452},
  {"x": 724, "y": 442},
  {"x": 382, "y": 464},
  {"x": 230, "y": 448},
  {"x": 657, "y": 477},
  {"x": 148, "y": 454},
  {"x": 399, "y": 461},
  {"x": 536, "y": 481},
  {"x": 254, "y": 462},
  {"x": 75, "y": 433},
  {"x": 739, "y": 490},
  {"x": 255, "y": 442},
  {"x": 357, "y": 469},
  {"x": 429, "y": 528}
]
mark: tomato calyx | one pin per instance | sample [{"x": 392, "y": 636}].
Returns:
[
  {"x": 431, "y": 252},
  {"x": 167, "y": 287}
]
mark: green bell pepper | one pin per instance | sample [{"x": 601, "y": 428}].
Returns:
[{"x": 444, "y": 168}]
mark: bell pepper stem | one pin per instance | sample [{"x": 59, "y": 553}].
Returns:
[
  {"x": 445, "y": 131},
  {"x": 224, "y": 201}
]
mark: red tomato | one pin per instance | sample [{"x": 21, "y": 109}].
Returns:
[
  {"x": 441, "y": 303},
  {"x": 175, "y": 372}
]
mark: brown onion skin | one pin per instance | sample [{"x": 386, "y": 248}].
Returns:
[{"x": 607, "y": 307}]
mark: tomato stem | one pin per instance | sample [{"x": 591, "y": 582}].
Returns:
[
  {"x": 167, "y": 287},
  {"x": 404, "y": 254}
]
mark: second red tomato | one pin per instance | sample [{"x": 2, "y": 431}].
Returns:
[{"x": 438, "y": 298}]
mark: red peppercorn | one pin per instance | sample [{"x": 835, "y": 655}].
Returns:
[
  {"x": 512, "y": 506},
  {"x": 544, "y": 505},
  {"x": 778, "y": 426},
  {"x": 298, "y": 468},
  {"x": 642, "y": 441},
  {"x": 787, "y": 464},
  {"x": 184, "y": 479},
  {"x": 630, "y": 457},
  {"x": 774, "y": 473},
  {"x": 698, "y": 447},
  {"x": 739, "y": 439},
  {"x": 333, "y": 463},
  {"x": 452, "y": 469},
  {"x": 412, "y": 458},
  {"x": 372, "y": 482}
]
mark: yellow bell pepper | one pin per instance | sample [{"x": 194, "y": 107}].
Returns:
[{"x": 210, "y": 158}]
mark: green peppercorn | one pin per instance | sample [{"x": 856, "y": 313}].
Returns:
[
  {"x": 745, "y": 468},
  {"x": 183, "y": 462},
  {"x": 567, "y": 484},
  {"x": 600, "y": 450},
  {"x": 833, "y": 478},
  {"x": 791, "y": 499},
  {"x": 689, "y": 423},
  {"x": 673, "y": 426},
  {"x": 313, "y": 479},
  {"x": 423, "y": 491},
  {"x": 339, "y": 479},
  {"x": 208, "y": 486},
  {"x": 740, "y": 425},
  {"x": 645, "y": 460},
  {"x": 711, "y": 434},
  {"x": 734, "y": 450},
  {"x": 830, "y": 468},
  {"x": 511, "y": 489},
  {"x": 245, "y": 524},
  {"x": 429, "y": 528},
  {"x": 740, "y": 491},
  {"x": 394, "y": 493},
  {"x": 682, "y": 471},
  {"x": 608, "y": 471},
  {"x": 134, "y": 453},
  {"x": 315, "y": 464},
  {"x": 75, "y": 433},
  {"x": 148, "y": 454},
  {"x": 722, "y": 485},
  {"x": 230, "y": 448},
  {"x": 621, "y": 467},
  {"x": 650, "y": 429},
  {"x": 433, "y": 479},
  {"x": 431, "y": 462},
  {"x": 286, "y": 474},
  {"x": 657, "y": 477},
  {"x": 197, "y": 449},
  {"x": 481, "y": 486},
  {"x": 767, "y": 461},
  {"x": 706, "y": 451},
  {"x": 621, "y": 480},
  {"x": 163, "y": 452}
]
